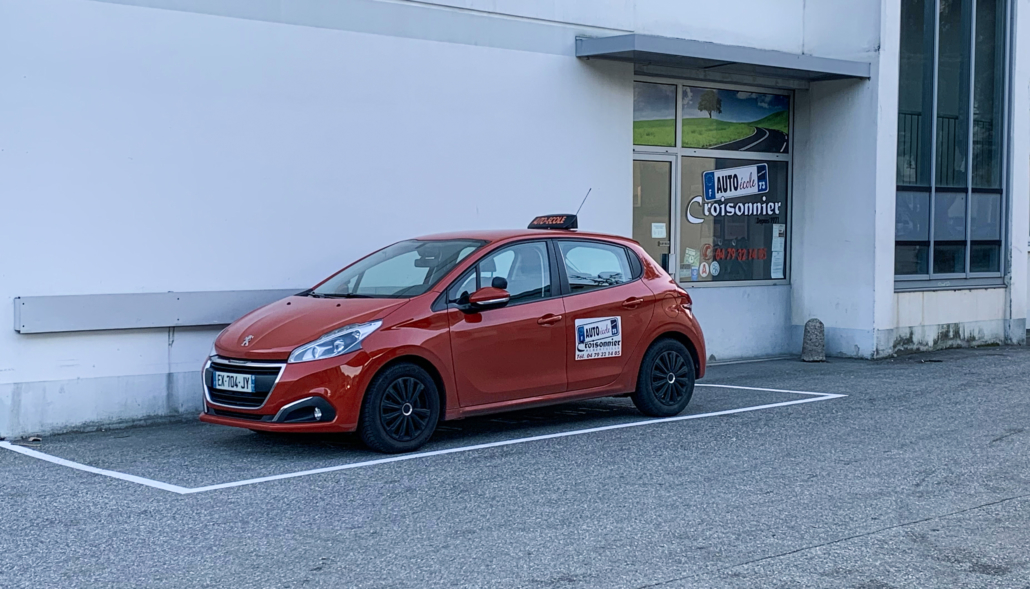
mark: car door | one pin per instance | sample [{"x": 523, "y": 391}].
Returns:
[
  {"x": 516, "y": 351},
  {"x": 607, "y": 309}
]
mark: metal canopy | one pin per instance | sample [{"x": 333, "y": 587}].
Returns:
[{"x": 715, "y": 57}]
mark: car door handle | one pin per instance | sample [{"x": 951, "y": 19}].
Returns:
[
  {"x": 632, "y": 303},
  {"x": 549, "y": 319}
]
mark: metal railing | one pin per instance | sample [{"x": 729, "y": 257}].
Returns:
[
  {"x": 909, "y": 147},
  {"x": 951, "y": 161},
  {"x": 950, "y": 157}
]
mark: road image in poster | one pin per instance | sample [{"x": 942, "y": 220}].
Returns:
[{"x": 735, "y": 121}]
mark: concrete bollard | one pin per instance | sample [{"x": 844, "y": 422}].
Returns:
[{"x": 813, "y": 348}]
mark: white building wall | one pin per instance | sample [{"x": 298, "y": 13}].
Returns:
[
  {"x": 844, "y": 180},
  {"x": 182, "y": 152}
]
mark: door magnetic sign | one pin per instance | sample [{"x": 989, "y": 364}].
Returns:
[{"x": 598, "y": 337}]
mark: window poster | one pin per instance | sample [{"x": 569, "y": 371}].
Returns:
[
  {"x": 733, "y": 223},
  {"x": 735, "y": 121}
]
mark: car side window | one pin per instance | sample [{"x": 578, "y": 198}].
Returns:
[
  {"x": 592, "y": 265},
  {"x": 465, "y": 286},
  {"x": 524, "y": 267}
]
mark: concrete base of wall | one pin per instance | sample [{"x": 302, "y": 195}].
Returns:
[
  {"x": 761, "y": 312},
  {"x": 950, "y": 335},
  {"x": 92, "y": 403},
  {"x": 860, "y": 343}
]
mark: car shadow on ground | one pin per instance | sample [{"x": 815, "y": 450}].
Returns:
[{"x": 472, "y": 430}]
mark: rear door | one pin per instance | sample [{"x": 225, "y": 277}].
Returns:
[{"x": 607, "y": 309}]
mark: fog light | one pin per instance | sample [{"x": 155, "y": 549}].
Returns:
[{"x": 318, "y": 414}]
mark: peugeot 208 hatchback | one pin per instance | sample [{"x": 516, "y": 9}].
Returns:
[{"x": 448, "y": 326}]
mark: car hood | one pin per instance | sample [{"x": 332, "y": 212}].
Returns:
[{"x": 280, "y": 327}]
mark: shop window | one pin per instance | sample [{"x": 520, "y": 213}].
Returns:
[
  {"x": 950, "y": 199},
  {"x": 713, "y": 208},
  {"x": 654, "y": 114},
  {"x": 736, "y": 220},
  {"x": 733, "y": 120}
]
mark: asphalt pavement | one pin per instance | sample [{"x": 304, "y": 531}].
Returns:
[{"x": 919, "y": 477}]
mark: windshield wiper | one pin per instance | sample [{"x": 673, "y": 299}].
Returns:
[{"x": 348, "y": 295}]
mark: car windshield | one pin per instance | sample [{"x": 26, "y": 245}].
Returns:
[{"x": 402, "y": 270}]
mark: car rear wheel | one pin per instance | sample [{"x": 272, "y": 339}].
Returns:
[
  {"x": 401, "y": 410},
  {"x": 666, "y": 380}
]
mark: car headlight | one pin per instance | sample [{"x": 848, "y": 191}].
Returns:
[{"x": 335, "y": 343}]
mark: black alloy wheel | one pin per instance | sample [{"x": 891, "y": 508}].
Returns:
[
  {"x": 400, "y": 410},
  {"x": 666, "y": 381},
  {"x": 404, "y": 411}
]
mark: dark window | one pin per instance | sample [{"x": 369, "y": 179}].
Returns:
[
  {"x": 949, "y": 222},
  {"x": 988, "y": 90},
  {"x": 591, "y": 265},
  {"x": 912, "y": 233},
  {"x": 915, "y": 92}
]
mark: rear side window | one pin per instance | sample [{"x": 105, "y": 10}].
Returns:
[{"x": 592, "y": 265}]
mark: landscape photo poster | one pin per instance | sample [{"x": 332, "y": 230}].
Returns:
[{"x": 733, "y": 120}]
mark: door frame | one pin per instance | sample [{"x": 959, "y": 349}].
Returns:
[{"x": 674, "y": 195}]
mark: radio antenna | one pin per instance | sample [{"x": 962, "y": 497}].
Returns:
[{"x": 584, "y": 201}]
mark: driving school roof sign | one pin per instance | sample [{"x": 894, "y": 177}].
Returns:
[{"x": 736, "y": 182}]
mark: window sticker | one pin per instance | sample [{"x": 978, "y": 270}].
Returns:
[
  {"x": 743, "y": 222},
  {"x": 598, "y": 337},
  {"x": 734, "y": 121}
]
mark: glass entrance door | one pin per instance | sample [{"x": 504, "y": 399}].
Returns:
[{"x": 652, "y": 208}]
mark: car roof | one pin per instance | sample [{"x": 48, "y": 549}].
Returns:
[{"x": 506, "y": 234}]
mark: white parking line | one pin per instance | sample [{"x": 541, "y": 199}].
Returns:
[
  {"x": 84, "y": 467},
  {"x": 810, "y": 398}
]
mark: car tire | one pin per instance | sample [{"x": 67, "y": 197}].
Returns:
[
  {"x": 400, "y": 410},
  {"x": 666, "y": 380}
]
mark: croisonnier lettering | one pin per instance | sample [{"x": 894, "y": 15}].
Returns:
[{"x": 716, "y": 209}]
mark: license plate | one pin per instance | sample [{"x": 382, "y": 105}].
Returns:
[{"x": 226, "y": 381}]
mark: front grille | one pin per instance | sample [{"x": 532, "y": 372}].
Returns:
[
  {"x": 238, "y": 415},
  {"x": 264, "y": 380}
]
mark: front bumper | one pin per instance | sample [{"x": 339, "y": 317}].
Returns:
[{"x": 319, "y": 396}]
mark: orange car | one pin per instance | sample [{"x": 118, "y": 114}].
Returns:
[{"x": 447, "y": 326}]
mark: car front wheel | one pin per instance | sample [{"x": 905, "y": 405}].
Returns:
[
  {"x": 401, "y": 410},
  {"x": 666, "y": 380}
]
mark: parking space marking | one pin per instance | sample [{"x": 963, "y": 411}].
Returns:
[
  {"x": 85, "y": 467},
  {"x": 810, "y": 398}
]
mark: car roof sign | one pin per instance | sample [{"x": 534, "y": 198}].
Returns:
[{"x": 555, "y": 222}]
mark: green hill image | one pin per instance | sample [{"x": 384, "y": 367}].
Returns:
[
  {"x": 705, "y": 133},
  {"x": 778, "y": 121},
  {"x": 661, "y": 132}
]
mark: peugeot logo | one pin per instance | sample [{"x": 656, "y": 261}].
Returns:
[{"x": 246, "y": 341}]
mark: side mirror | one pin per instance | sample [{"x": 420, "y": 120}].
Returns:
[
  {"x": 499, "y": 282},
  {"x": 488, "y": 297}
]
